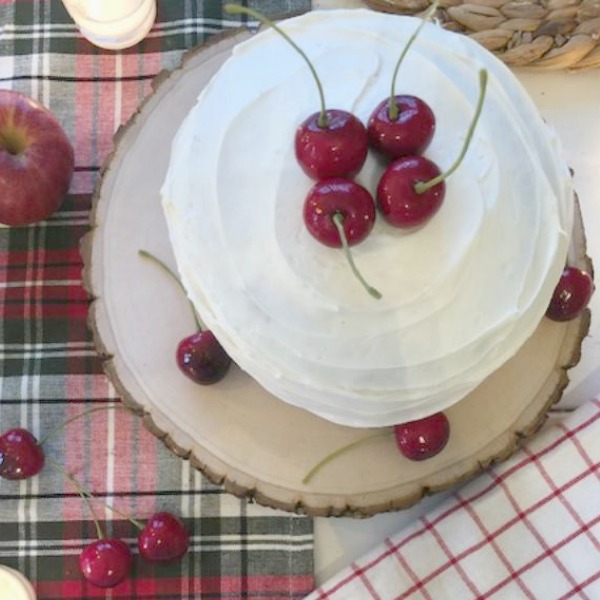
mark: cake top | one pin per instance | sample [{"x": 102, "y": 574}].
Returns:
[{"x": 460, "y": 295}]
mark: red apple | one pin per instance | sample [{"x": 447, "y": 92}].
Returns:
[{"x": 36, "y": 160}]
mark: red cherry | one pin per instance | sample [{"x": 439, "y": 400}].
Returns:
[
  {"x": 397, "y": 199},
  {"x": 340, "y": 213},
  {"x": 418, "y": 440},
  {"x": 329, "y": 143},
  {"x": 571, "y": 295},
  {"x": 411, "y": 190},
  {"x": 409, "y": 133},
  {"x": 339, "y": 196},
  {"x": 163, "y": 539},
  {"x": 338, "y": 149},
  {"x": 106, "y": 562},
  {"x": 201, "y": 357},
  {"x": 402, "y": 125},
  {"x": 20, "y": 455}
]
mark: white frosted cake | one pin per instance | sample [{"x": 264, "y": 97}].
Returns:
[{"x": 460, "y": 295}]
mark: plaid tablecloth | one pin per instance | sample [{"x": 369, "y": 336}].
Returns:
[{"x": 49, "y": 367}]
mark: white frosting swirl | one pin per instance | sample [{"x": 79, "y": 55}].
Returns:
[{"x": 460, "y": 295}]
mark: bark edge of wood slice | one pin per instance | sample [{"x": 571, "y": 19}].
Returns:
[{"x": 239, "y": 436}]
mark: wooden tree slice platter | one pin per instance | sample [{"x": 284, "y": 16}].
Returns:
[{"x": 235, "y": 432}]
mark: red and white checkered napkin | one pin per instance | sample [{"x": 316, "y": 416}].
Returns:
[{"x": 527, "y": 528}]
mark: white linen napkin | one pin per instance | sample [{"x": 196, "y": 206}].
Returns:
[{"x": 525, "y": 528}]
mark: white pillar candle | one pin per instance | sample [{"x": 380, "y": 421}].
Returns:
[
  {"x": 113, "y": 24},
  {"x": 14, "y": 586}
]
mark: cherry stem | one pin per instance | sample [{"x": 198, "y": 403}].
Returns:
[
  {"x": 393, "y": 106},
  {"x": 331, "y": 457},
  {"x": 423, "y": 186},
  {"x": 165, "y": 268},
  {"x": 87, "y": 496},
  {"x": 236, "y": 9},
  {"x": 338, "y": 220},
  {"x": 82, "y": 414},
  {"x": 101, "y": 535}
]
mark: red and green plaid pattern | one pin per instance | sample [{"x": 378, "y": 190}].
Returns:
[{"x": 49, "y": 370}]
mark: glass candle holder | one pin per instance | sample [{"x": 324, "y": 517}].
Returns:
[
  {"x": 14, "y": 586},
  {"x": 113, "y": 24}
]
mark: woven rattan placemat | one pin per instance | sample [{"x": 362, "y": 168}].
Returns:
[{"x": 543, "y": 34}]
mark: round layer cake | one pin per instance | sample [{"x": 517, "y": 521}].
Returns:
[{"x": 459, "y": 296}]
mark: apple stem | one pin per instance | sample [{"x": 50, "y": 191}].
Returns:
[
  {"x": 60, "y": 427},
  {"x": 12, "y": 142},
  {"x": 338, "y": 220},
  {"x": 88, "y": 497},
  {"x": 333, "y": 455},
  {"x": 236, "y": 9},
  {"x": 393, "y": 106},
  {"x": 423, "y": 186},
  {"x": 165, "y": 268}
]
